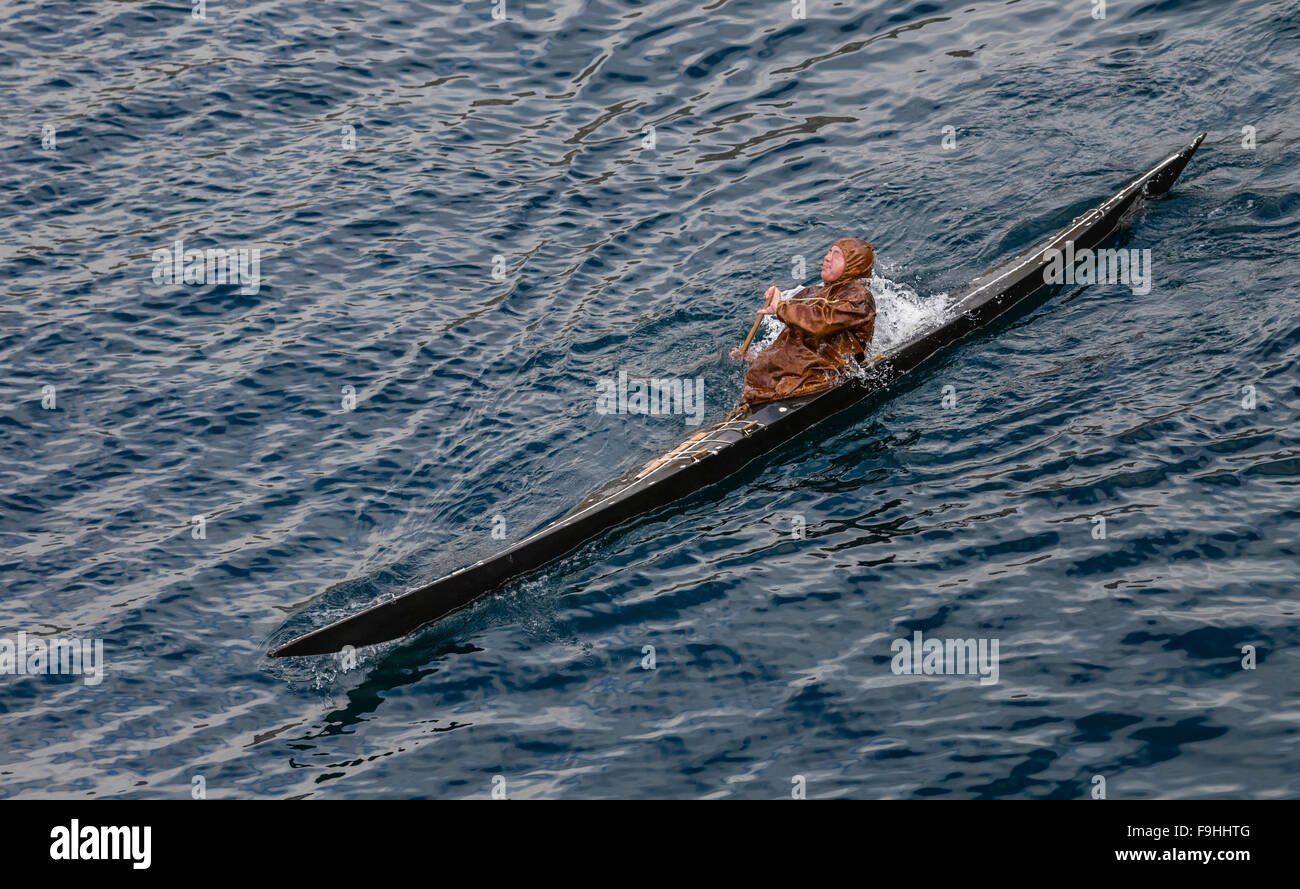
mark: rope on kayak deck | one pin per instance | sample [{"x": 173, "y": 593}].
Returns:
[{"x": 728, "y": 424}]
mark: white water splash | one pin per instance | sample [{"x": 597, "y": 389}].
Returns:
[{"x": 901, "y": 313}]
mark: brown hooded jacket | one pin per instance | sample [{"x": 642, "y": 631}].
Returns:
[{"x": 824, "y": 328}]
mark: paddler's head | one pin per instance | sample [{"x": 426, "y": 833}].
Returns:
[{"x": 847, "y": 259}]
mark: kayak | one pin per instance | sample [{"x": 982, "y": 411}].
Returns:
[{"x": 714, "y": 454}]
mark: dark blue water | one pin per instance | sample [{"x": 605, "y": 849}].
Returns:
[{"x": 380, "y": 155}]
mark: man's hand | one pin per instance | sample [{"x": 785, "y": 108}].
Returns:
[{"x": 771, "y": 299}]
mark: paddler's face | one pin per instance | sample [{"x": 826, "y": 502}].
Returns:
[{"x": 833, "y": 264}]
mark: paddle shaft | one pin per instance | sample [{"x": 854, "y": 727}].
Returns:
[
  {"x": 749, "y": 339},
  {"x": 753, "y": 330}
]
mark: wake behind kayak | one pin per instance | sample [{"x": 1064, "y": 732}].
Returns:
[{"x": 747, "y": 433}]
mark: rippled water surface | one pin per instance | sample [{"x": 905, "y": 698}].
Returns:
[{"x": 638, "y": 173}]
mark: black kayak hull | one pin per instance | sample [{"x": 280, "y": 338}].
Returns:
[{"x": 745, "y": 436}]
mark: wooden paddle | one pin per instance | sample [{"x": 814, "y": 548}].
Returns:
[{"x": 744, "y": 350}]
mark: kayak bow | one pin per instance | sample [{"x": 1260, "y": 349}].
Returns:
[{"x": 747, "y": 433}]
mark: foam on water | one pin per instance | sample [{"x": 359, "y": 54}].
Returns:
[{"x": 902, "y": 313}]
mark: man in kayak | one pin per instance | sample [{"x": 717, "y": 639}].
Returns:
[{"x": 825, "y": 327}]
